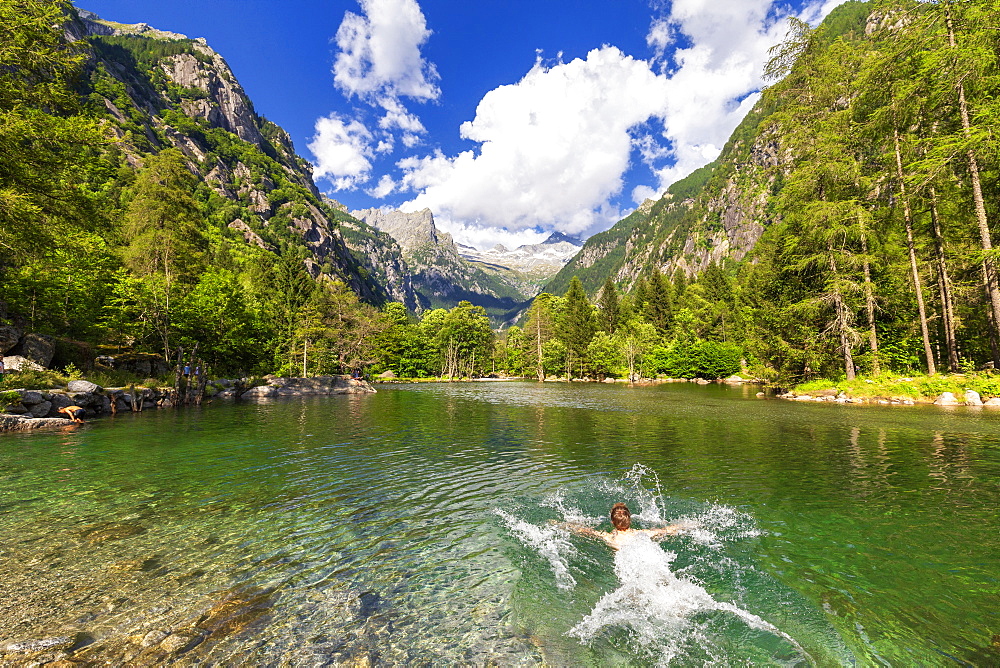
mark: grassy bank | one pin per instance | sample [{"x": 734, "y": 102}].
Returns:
[
  {"x": 51, "y": 379},
  {"x": 917, "y": 388}
]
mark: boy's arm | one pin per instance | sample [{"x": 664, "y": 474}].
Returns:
[
  {"x": 664, "y": 532},
  {"x": 582, "y": 530}
]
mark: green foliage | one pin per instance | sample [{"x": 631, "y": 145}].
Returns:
[
  {"x": 9, "y": 398},
  {"x": 49, "y": 146},
  {"x": 39, "y": 380},
  {"x": 917, "y": 387},
  {"x": 141, "y": 51}
]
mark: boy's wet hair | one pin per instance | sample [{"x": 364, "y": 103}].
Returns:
[{"x": 621, "y": 517}]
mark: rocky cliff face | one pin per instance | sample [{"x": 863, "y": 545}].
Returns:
[
  {"x": 412, "y": 230},
  {"x": 162, "y": 90},
  {"x": 717, "y": 214},
  {"x": 441, "y": 277}
]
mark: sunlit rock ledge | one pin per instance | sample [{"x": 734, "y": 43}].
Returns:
[
  {"x": 318, "y": 385},
  {"x": 970, "y": 398},
  {"x": 39, "y": 409}
]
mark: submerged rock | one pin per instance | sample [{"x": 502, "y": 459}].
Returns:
[
  {"x": 235, "y": 611},
  {"x": 105, "y": 532},
  {"x": 154, "y": 637},
  {"x": 45, "y": 644},
  {"x": 180, "y": 642}
]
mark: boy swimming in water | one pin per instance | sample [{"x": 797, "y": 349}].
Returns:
[{"x": 621, "y": 519}]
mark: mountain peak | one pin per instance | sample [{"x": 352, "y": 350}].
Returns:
[{"x": 558, "y": 237}]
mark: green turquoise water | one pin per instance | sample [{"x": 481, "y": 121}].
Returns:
[{"x": 413, "y": 527}]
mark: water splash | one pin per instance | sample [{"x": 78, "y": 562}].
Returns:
[
  {"x": 666, "y": 615},
  {"x": 550, "y": 542},
  {"x": 665, "y": 612}
]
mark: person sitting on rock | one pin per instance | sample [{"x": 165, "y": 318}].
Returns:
[
  {"x": 621, "y": 519},
  {"x": 74, "y": 413}
]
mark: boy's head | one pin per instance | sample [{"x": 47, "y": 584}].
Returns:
[{"x": 621, "y": 518}]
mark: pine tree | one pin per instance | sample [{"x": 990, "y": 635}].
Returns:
[
  {"x": 577, "y": 325},
  {"x": 609, "y": 307}
]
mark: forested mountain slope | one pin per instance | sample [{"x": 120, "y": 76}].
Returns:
[
  {"x": 718, "y": 213},
  {"x": 146, "y": 205},
  {"x": 849, "y": 222}
]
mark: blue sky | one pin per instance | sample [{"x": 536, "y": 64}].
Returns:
[{"x": 507, "y": 118}]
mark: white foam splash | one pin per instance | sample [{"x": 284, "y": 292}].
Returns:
[
  {"x": 657, "y": 606},
  {"x": 718, "y": 524},
  {"x": 572, "y": 514},
  {"x": 550, "y": 542}
]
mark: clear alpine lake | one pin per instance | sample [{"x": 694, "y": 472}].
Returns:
[{"x": 415, "y": 527}]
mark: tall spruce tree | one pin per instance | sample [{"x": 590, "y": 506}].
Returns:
[
  {"x": 577, "y": 325},
  {"x": 609, "y": 307}
]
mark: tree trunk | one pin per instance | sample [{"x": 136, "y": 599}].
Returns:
[
  {"x": 989, "y": 269},
  {"x": 944, "y": 285},
  {"x": 869, "y": 308},
  {"x": 841, "y": 320},
  {"x": 914, "y": 272},
  {"x": 538, "y": 340}
]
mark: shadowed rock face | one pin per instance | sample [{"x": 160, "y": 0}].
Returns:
[
  {"x": 441, "y": 277},
  {"x": 215, "y": 96}
]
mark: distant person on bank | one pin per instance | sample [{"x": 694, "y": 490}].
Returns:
[{"x": 74, "y": 413}]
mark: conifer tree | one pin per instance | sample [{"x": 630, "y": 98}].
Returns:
[
  {"x": 659, "y": 304},
  {"x": 577, "y": 325},
  {"x": 162, "y": 226},
  {"x": 609, "y": 307}
]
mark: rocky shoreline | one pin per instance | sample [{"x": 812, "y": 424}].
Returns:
[
  {"x": 39, "y": 409},
  {"x": 970, "y": 398}
]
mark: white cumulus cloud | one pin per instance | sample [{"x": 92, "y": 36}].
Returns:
[
  {"x": 553, "y": 148},
  {"x": 714, "y": 82},
  {"x": 342, "y": 149},
  {"x": 380, "y": 62},
  {"x": 380, "y": 52}
]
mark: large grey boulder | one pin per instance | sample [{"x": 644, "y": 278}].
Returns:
[
  {"x": 972, "y": 398},
  {"x": 19, "y": 363},
  {"x": 946, "y": 399},
  {"x": 32, "y": 397},
  {"x": 82, "y": 386},
  {"x": 41, "y": 409},
  {"x": 261, "y": 391},
  {"x": 59, "y": 401},
  {"x": 39, "y": 348},
  {"x": 9, "y": 336}
]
